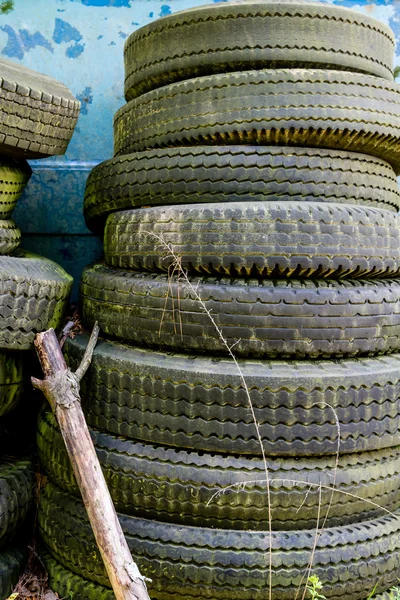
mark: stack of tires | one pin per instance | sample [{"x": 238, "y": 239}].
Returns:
[
  {"x": 245, "y": 401},
  {"x": 37, "y": 119}
]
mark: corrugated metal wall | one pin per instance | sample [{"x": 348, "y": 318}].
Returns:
[{"x": 81, "y": 43}]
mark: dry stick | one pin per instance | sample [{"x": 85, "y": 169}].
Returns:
[{"x": 61, "y": 388}]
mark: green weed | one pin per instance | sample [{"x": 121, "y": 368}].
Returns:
[{"x": 314, "y": 587}]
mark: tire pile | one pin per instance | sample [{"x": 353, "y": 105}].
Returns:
[
  {"x": 257, "y": 153},
  {"x": 37, "y": 119}
]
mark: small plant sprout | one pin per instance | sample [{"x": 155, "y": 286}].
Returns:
[
  {"x": 314, "y": 587},
  {"x": 6, "y": 6}
]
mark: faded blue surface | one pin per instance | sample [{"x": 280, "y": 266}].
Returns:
[{"x": 81, "y": 42}]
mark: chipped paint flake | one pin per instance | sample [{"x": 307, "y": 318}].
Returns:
[
  {"x": 75, "y": 50},
  {"x": 86, "y": 98},
  {"x": 64, "y": 32},
  {"x": 23, "y": 41}
]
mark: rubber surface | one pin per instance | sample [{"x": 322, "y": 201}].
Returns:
[
  {"x": 237, "y": 173},
  {"x": 10, "y": 237},
  {"x": 192, "y": 562},
  {"x": 65, "y": 582},
  {"x": 40, "y": 113},
  {"x": 210, "y": 490},
  {"x": 33, "y": 295},
  {"x": 299, "y": 107},
  {"x": 282, "y": 317},
  {"x": 16, "y": 496},
  {"x": 275, "y": 239},
  {"x": 200, "y": 403},
  {"x": 14, "y": 175},
  {"x": 13, "y": 378},
  {"x": 11, "y": 566},
  {"x": 256, "y": 35}
]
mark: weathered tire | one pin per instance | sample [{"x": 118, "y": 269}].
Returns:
[
  {"x": 237, "y": 37},
  {"x": 285, "y": 317},
  {"x": 272, "y": 239},
  {"x": 40, "y": 113},
  {"x": 237, "y": 174},
  {"x": 210, "y": 490},
  {"x": 200, "y": 403},
  {"x": 33, "y": 296},
  {"x": 12, "y": 563},
  {"x": 299, "y": 107},
  {"x": 14, "y": 175},
  {"x": 10, "y": 237},
  {"x": 13, "y": 377},
  {"x": 192, "y": 562},
  {"x": 16, "y": 495}
]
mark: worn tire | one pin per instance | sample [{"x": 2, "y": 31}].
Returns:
[
  {"x": 33, "y": 295},
  {"x": 286, "y": 317},
  {"x": 261, "y": 239},
  {"x": 13, "y": 378},
  {"x": 328, "y": 109},
  {"x": 179, "y": 486},
  {"x": 10, "y": 237},
  {"x": 14, "y": 175},
  {"x": 237, "y": 37},
  {"x": 16, "y": 495},
  {"x": 200, "y": 403},
  {"x": 12, "y": 563},
  {"x": 237, "y": 174},
  {"x": 192, "y": 562},
  {"x": 40, "y": 113}
]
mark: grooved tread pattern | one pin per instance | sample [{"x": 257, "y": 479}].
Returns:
[
  {"x": 12, "y": 563},
  {"x": 272, "y": 239},
  {"x": 282, "y": 317},
  {"x": 185, "y": 561},
  {"x": 199, "y": 402},
  {"x": 10, "y": 236},
  {"x": 40, "y": 113},
  {"x": 14, "y": 175},
  {"x": 217, "y": 39},
  {"x": 16, "y": 496},
  {"x": 228, "y": 492},
  {"x": 33, "y": 295},
  {"x": 13, "y": 376},
  {"x": 237, "y": 173},
  {"x": 298, "y": 107}
]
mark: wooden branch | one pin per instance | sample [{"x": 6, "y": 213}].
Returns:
[{"x": 61, "y": 388}]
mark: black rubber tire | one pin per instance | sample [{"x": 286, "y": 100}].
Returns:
[
  {"x": 13, "y": 379},
  {"x": 273, "y": 239},
  {"x": 10, "y": 237},
  {"x": 33, "y": 296},
  {"x": 299, "y": 107},
  {"x": 284, "y": 317},
  {"x": 66, "y": 583},
  {"x": 41, "y": 113},
  {"x": 237, "y": 37},
  {"x": 192, "y": 562},
  {"x": 237, "y": 173},
  {"x": 178, "y": 486},
  {"x": 12, "y": 563},
  {"x": 14, "y": 175},
  {"x": 200, "y": 403},
  {"x": 16, "y": 496}
]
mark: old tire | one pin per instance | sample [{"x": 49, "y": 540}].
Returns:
[
  {"x": 13, "y": 377},
  {"x": 286, "y": 317},
  {"x": 271, "y": 239},
  {"x": 299, "y": 107},
  {"x": 237, "y": 174},
  {"x": 185, "y": 561},
  {"x": 12, "y": 563},
  {"x": 14, "y": 175},
  {"x": 237, "y": 37},
  {"x": 41, "y": 113},
  {"x": 33, "y": 295},
  {"x": 16, "y": 496},
  {"x": 10, "y": 237},
  {"x": 178, "y": 486},
  {"x": 200, "y": 403}
]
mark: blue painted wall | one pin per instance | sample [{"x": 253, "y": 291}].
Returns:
[{"x": 81, "y": 43}]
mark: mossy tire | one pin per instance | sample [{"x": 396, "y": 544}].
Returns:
[
  {"x": 262, "y": 239},
  {"x": 237, "y": 37},
  {"x": 16, "y": 496},
  {"x": 13, "y": 379},
  {"x": 237, "y": 174},
  {"x": 14, "y": 175},
  {"x": 283, "y": 107},
  {"x": 200, "y": 403},
  {"x": 188, "y": 562},
  {"x": 275, "y": 318},
  {"x": 12, "y": 563},
  {"x": 10, "y": 237},
  {"x": 33, "y": 296},
  {"x": 179, "y": 486}
]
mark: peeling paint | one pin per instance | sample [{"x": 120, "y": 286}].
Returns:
[
  {"x": 111, "y": 3},
  {"x": 122, "y": 34},
  {"x": 86, "y": 98},
  {"x": 64, "y": 32},
  {"x": 165, "y": 10},
  {"x": 75, "y": 50}
]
